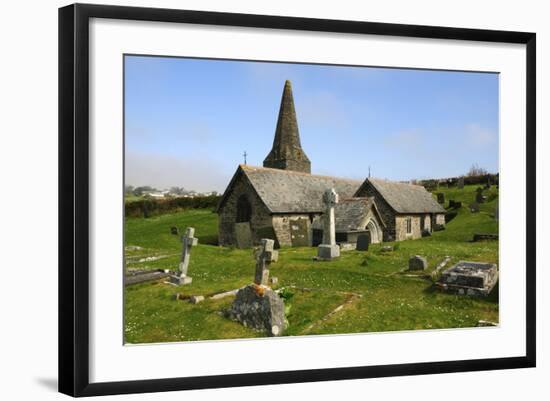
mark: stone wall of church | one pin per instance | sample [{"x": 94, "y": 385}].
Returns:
[
  {"x": 260, "y": 216},
  {"x": 401, "y": 227},
  {"x": 426, "y": 222},
  {"x": 285, "y": 227}
]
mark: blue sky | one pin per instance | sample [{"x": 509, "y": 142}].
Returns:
[{"x": 188, "y": 121}]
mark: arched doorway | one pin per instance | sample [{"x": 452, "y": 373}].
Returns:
[
  {"x": 244, "y": 209},
  {"x": 375, "y": 231}
]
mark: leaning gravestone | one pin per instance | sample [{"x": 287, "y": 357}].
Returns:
[
  {"x": 460, "y": 184},
  {"x": 257, "y": 306},
  {"x": 264, "y": 257},
  {"x": 363, "y": 242},
  {"x": 328, "y": 250},
  {"x": 418, "y": 262},
  {"x": 440, "y": 197},
  {"x": 188, "y": 241},
  {"x": 243, "y": 235}
]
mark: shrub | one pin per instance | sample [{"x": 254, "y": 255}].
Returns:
[{"x": 152, "y": 207}]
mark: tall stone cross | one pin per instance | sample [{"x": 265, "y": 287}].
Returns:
[
  {"x": 264, "y": 257},
  {"x": 188, "y": 241},
  {"x": 328, "y": 249},
  {"x": 330, "y": 199}
]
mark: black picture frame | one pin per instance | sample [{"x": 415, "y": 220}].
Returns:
[{"x": 74, "y": 198}]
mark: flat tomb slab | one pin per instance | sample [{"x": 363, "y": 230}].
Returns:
[{"x": 469, "y": 278}]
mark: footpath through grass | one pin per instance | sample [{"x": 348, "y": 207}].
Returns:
[{"x": 377, "y": 295}]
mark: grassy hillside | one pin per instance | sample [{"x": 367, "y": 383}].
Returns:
[{"x": 381, "y": 296}]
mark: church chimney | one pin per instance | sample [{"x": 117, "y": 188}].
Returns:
[{"x": 287, "y": 152}]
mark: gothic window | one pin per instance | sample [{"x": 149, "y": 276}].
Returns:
[{"x": 244, "y": 209}]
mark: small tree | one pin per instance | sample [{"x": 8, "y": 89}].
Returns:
[
  {"x": 128, "y": 189},
  {"x": 476, "y": 171},
  {"x": 177, "y": 190}
]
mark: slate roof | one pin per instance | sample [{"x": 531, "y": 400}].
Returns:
[
  {"x": 285, "y": 191},
  {"x": 406, "y": 198},
  {"x": 349, "y": 214}
]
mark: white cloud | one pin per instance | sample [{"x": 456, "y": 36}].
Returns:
[{"x": 162, "y": 171}]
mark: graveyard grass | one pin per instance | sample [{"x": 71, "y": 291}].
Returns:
[{"x": 376, "y": 293}]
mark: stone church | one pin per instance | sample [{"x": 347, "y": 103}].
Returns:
[{"x": 283, "y": 201}]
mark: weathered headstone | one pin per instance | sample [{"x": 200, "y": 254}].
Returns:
[
  {"x": 188, "y": 241},
  {"x": 243, "y": 235},
  {"x": 260, "y": 308},
  {"x": 299, "y": 232},
  {"x": 174, "y": 230},
  {"x": 469, "y": 278},
  {"x": 460, "y": 184},
  {"x": 418, "y": 262},
  {"x": 328, "y": 250},
  {"x": 474, "y": 207},
  {"x": 363, "y": 242},
  {"x": 440, "y": 197},
  {"x": 257, "y": 306},
  {"x": 264, "y": 257}
]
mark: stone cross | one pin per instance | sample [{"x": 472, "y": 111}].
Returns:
[
  {"x": 264, "y": 257},
  {"x": 188, "y": 241},
  {"x": 330, "y": 199},
  {"x": 328, "y": 249}
]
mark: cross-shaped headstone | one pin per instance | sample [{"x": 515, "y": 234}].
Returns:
[
  {"x": 188, "y": 241},
  {"x": 264, "y": 257},
  {"x": 330, "y": 199},
  {"x": 328, "y": 250}
]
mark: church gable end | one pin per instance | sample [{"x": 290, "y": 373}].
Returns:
[{"x": 241, "y": 204}]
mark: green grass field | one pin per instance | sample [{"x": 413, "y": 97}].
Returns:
[{"x": 377, "y": 295}]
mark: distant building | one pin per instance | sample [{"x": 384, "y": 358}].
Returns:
[
  {"x": 283, "y": 201},
  {"x": 156, "y": 195}
]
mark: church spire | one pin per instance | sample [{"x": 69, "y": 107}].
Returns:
[{"x": 287, "y": 152}]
